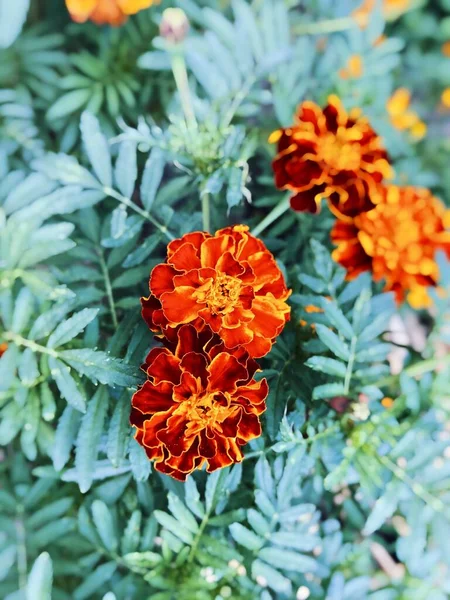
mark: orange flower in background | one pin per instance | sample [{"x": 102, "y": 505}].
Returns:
[
  {"x": 114, "y": 12},
  {"x": 330, "y": 154},
  {"x": 199, "y": 405},
  {"x": 446, "y": 49},
  {"x": 391, "y": 10},
  {"x": 3, "y": 348},
  {"x": 229, "y": 282},
  {"x": 445, "y": 98},
  {"x": 353, "y": 69},
  {"x": 397, "y": 241},
  {"x": 402, "y": 117}
]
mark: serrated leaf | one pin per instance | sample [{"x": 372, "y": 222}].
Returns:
[
  {"x": 72, "y": 327},
  {"x": 105, "y": 525},
  {"x": 88, "y": 439},
  {"x": 101, "y": 367},
  {"x": 65, "y": 435},
  {"x": 95, "y": 580},
  {"x": 119, "y": 431},
  {"x": 287, "y": 560},
  {"x": 174, "y": 526},
  {"x": 333, "y": 342},
  {"x": 140, "y": 463},
  {"x": 40, "y": 579},
  {"x": 245, "y": 537},
  {"x": 152, "y": 176},
  {"x": 181, "y": 513},
  {"x": 337, "y": 318},
  {"x": 97, "y": 148},
  {"x": 66, "y": 384},
  {"x": 330, "y": 366}
]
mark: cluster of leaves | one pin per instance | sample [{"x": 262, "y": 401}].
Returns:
[{"x": 99, "y": 170}]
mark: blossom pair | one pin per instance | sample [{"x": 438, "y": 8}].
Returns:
[
  {"x": 389, "y": 230},
  {"x": 217, "y": 303}
]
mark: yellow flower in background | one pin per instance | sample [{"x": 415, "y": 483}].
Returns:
[
  {"x": 445, "y": 97},
  {"x": 445, "y": 48},
  {"x": 402, "y": 117},
  {"x": 391, "y": 10},
  {"x": 113, "y": 12},
  {"x": 354, "y": 68}
]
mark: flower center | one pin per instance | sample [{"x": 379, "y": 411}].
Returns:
[
  {"x": 340, "y": 151},
  {"x": 223, "y": 295},
  {"x": 205, "y": 409}
]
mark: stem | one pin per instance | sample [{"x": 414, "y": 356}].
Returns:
[
  {"x": 238, "y": 99},
  {"x": 327, "y": 26},
  {"x": 21, "y": 548},
  {"x": 351, "y": 360},
  {"x": 205, "y": 212},
  {"x": 140, "y": 211},
  {"x": 18, "y": 340},
  {"x": 182, "y": 82},
  {"x": 419, "y": 368},
  {"x": 276, "y": 212},
  {"x": 108, "y": 287},
  {"x": 197, "y": 538}
]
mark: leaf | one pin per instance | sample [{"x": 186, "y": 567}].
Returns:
[
  {"x": 22, "y": 311},
  {"x": 68, "y": 104},
  {"x": 287, "y": 560},
  {"x": 118, "y": 221},
  {"x": 97, "y": 148},
  {"x": 192, "y": 498},
  {"x": 328, "y": 390},
  {"x": 95, "y": 580},
  {"x": 411, "y": 391},
  {"x": 274, "y": 579},
  {"x": 333, "y": 342},
  {"x": 140, "y": 463},
  {"x": 337, "y": 318},
  {"x": 152, "y": 176},
  {"x": 46, "y": 321},
  {"x": 88, "y": 439},
  {"x": 383, "y": 509},
  {"x": 65, "y": 434},
  {"x": 29, "y": 190},
  {"x": 119, "y": 431},
  {"x": 12, "y": 18},
  {"x": 330, "y": 366},
  {"x": 125, "y": 172},
  {"x": 174, "y": 526},
  {"x": 181, "y": 513},
  {"x": 40, "y": 579},
  {"x": 132, "y": 533},
  {"x": 72, "y": 327},
  {"x": 66, "y": 384},
  {"x": 100, "y": 366},
  {"x": 245, "y": 537},
  {"x": 105, "y": 525}
]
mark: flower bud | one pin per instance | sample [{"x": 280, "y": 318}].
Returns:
[{"x": 174, "y": 25}]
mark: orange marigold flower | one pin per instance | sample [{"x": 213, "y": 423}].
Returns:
[
  {"x": 229, "y": 282},
  {"x": 353, "y": 68},
  {"x": 402, "y": 117},
  {"x": 3, "y": 348},
  {"x": 114, "y": 12},
  {"x": 397, "y": 241},
  {"x": 199, "y": 405},
  {"x": 391, "y": 10},
  {"x": 445, "y": 97},
  {"x": 446, "y": 49},
  {"x": 330, "y": 154}
]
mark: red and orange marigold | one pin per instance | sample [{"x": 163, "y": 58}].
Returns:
[
  {"x": 229, "y": 282},
  {"x": 199, "y": 405},
  {"x": 397, "y": 241},
  {"x": 114, "y": 12},
  {"x": 333, "y": 154}
]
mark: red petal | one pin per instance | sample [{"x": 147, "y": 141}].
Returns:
[
  {"x": 225, "y": 371},
  {"x": 161, "y": 279},
  {"x": 153, "y": 398}
]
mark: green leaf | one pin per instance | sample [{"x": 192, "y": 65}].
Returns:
[
  {"x": 174, "y": 526},
  {"x": 330, "y": 366},
  {"x": 181, "y": 513},
  {"x": 152, "y": 176},
  {"x": 88, "y": 439},
  {"x": 140, "y": 463},
  {"x": 22, "y": 311},
  {"x": 333, "y": 342},
  {"x": 274, "y": 579},
  {"x": 288, "y": 561},
  {"x": 7, "y": 560},
  {"x": 337, "y": 318},
  {"x": 95, "y": 580},
  {"x": 68, "y": 104},
  {"x": 119, "y": 431},
  {"x": 97, "y": 148},
  {"x": 125, "y": 172},
  {"x": 245, "y": 537},
  {"x": 40, "y": 579},
  {"x": 66, "y": 384},
  {"x": 132, "y": 533},
  {"x": 72, "y": 327},
  {"x": 105, "y": 525},
  {"x": 65, "y": 435},
  {"x": 328, "y": 390},
  {"x": 100, "y": 366},
  {"x": 192, "y": 498}
]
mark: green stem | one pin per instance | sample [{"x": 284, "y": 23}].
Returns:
[
  {"x": 417, "y": 369},
  {"x": 198, "y": 536},
  {"x": 181, "y": 79},
  {"x": 206, "y": 212},
  {"x": 18, "y": 340},
  {"x": 276, "y": 212},
  {"x": 108, "y": 286},
  {"x": 327, "y": 26},
  {"x": 140, "y": 211},
  {"x": 22, "y": 568},
  {"x": 238, "y": 99}
]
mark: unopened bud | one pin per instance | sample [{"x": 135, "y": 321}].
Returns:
[
  {"x": 340, "y": 403},
  {"x": 174, "y": 25}
]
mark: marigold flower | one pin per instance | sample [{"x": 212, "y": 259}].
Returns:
[
  {"x": 330, "y": 154},
  {"x": 229, "y": 282},
  {"x": 3, "y": 348},
  {"x": 353, "y": 69},
  {"x": 397, "y": 241},
  {"x": 445, "y": 97},
  {"x": 391, "y": 10},
  {"x": 114, "y": 12},
  {"x": 446, "y": 49},
  {"x": 402, "y": 117},
  {"x": 199, "y": 405}
]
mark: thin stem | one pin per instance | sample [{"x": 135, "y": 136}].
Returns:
[
  {"x": 181, "y": 79},
  {"x": 108, "y": 286},
  {"x": 140, "y": 211},
  {"x": 238, "y": 99},
  {"x": 205, "y": 212},
  {"x": 327, "y": 26},
  {"x": 18, "y": 340},
  {"x": 349, "y": 371},
  {"x": 22, "y": 567},
  {"x": 198, "y": 536},
  {"x": 276, "y": 212}
]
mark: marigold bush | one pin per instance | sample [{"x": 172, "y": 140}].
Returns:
[{"x": 224, "y": 300}]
